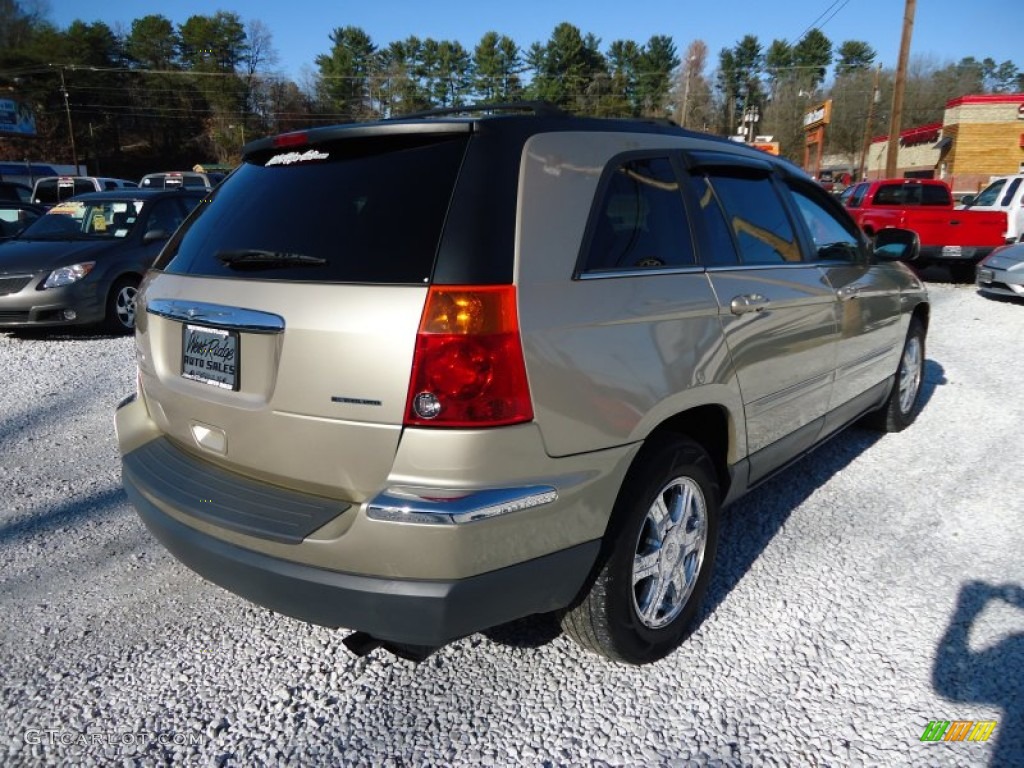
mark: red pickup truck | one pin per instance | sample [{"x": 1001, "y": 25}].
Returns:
[{"x": 958, "y": 238}]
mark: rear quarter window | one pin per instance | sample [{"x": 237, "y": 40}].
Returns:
[{"x": 368, "y": 210}]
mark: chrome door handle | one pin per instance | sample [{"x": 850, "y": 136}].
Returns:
[{"x": 748, "y": 302}]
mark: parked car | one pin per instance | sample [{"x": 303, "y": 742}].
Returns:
[
  {"x": 1003, "y": 194},
  {"x": 1002, "y": 272},
  {"x": 15, "y": 216},
  {"x": 955, "y": 238},
  {"x": 51, "y": 190},
  {"x": 81, "y": 262},
  {"x": 177, "y": 179},
  {"x": 424, "y": 376},
  {"x": 12, "y": 190}
]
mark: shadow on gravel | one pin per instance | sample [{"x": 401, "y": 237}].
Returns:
[
  {"x": 67, "y": 513},
  {"x": 934, "y": 377},
  {"x": 71, "y": 333},
  {"x": 992, "y": 676}
]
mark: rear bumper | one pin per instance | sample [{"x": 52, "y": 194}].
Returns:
[
  {"x": 417, "y": 612},
  {"x": 937, "y": 254}
]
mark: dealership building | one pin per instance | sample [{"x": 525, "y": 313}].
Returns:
[{"x": 979, "y": 137}]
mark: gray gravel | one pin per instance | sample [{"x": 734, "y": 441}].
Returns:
[{"x": 860, "y": 595}]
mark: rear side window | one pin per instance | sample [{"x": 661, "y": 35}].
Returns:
[
  {"x": 933, "y": 194},
  {"x": 640, "y": 222},
  {"x": 1010, "y": 192},
  {"x": 357, "y": 210},
  {"x": 893, "y": 194},
  {"x": 755, "y": 213}
]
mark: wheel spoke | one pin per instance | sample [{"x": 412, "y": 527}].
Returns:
[{"x": 646, "y": 566}]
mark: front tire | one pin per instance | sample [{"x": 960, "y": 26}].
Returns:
[
  {"x": 901, "y": 407},
  {"x": 120, "y": 312},
  {"x": 659, "y": 553}
]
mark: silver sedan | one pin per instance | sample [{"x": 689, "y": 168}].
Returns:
[{"x": 1002, "y": 271}]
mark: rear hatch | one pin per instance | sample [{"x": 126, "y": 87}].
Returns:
[{"x": 276, "y": 336}]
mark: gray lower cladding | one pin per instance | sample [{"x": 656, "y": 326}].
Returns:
[
  {"x": 224, "y": 498},
  {"x": 416, "y": 612}
]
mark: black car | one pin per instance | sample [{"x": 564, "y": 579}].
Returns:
[
  {"x": 81, "y": 262},
  {"x": 16, "y": 215},
  {"x": 12, "y": 190}
]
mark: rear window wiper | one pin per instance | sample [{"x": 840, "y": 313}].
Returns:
[{"x": 254, "y": 257}]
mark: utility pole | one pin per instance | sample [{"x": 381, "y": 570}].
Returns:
[
  {"x": 867, "y": 127},
  {"x": 898, "y": 88},
  {"x": 71, "y": 130}
]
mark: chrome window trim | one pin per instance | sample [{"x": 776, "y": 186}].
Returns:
[
  {"x": 216, "y": 315},
  {"x": 602, "y": 275}
]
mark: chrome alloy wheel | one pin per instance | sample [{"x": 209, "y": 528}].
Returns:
[
  {"x": 669, "y": 552},
  {"x": 910, "y": 374},
  {"x": 124, "y": 305}
]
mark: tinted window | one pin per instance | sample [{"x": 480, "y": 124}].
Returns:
[
  {"x": 858, "y": 195},
  {"x": 1010, "y": 190},
  {"x": 757, "y": 218},
  {"x": 640, "y": 220},
  {"x": 54, "y": 190},
  {"x": 933, "y": 194},
  {"x": 832, "y": 240},
  {"x": 990, "y": 194},
  {"x": 893, "y": 194},
  {"x": 720, "y": 248},
  {"x": 166, "y": 215},
  {"x": 358, "y": 210}
]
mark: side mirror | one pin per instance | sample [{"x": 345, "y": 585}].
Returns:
[
  {"x": 967, "y": 200},
  {"x": 894, "y": 244},
  {"x": 153, "y": 235}
]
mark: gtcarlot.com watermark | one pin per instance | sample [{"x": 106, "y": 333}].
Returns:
[{"x": 69, "y": 738}]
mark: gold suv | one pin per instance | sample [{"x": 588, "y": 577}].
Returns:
[{"x": 424, "y": 376}]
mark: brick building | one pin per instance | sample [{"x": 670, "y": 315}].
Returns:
[{"x": 979, "y": 137}]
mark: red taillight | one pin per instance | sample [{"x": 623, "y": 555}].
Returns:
[
  {"x": 296, "y": 139},
  {"x": 468, "y": 370}
]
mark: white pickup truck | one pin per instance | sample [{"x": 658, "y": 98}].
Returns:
[{"x": 1005, "y": 193}]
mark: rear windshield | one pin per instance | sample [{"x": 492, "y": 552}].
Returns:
[
  {"x": 361, "y": 210},
  {"x": 53, "y": 191}
]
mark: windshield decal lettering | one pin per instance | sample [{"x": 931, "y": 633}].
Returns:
[{"x": 297, "y": 157}]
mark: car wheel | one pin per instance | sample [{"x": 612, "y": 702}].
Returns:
[
  {"x": 120, "y": 313},
  {"x": 658, "y": 556},
  {"x": 901, "y": 407}
]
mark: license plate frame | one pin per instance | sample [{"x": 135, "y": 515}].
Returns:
[{"x": 210, "y": 356}]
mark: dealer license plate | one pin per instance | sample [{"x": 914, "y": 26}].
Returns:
[{"x": 210, "y": 355}]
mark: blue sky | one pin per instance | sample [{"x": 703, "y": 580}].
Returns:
[{"x": 944, "y": 30}]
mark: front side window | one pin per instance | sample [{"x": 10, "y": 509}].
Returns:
[
  {"x": 832, "y": 239},
  {"x": 857, "y": 198},
  {"x": 757, "y": 218},
  {"x": 990, "y": 194},
  {"x": 640, "y": 220}
]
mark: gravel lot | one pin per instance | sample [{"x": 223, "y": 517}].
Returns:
[{"x": 874, "y": 587}]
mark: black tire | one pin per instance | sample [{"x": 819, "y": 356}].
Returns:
[
  {"x": 616, "y": 616},
  {"x": 120, "y": 312},
  {"x": 903, "y": 403}
]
